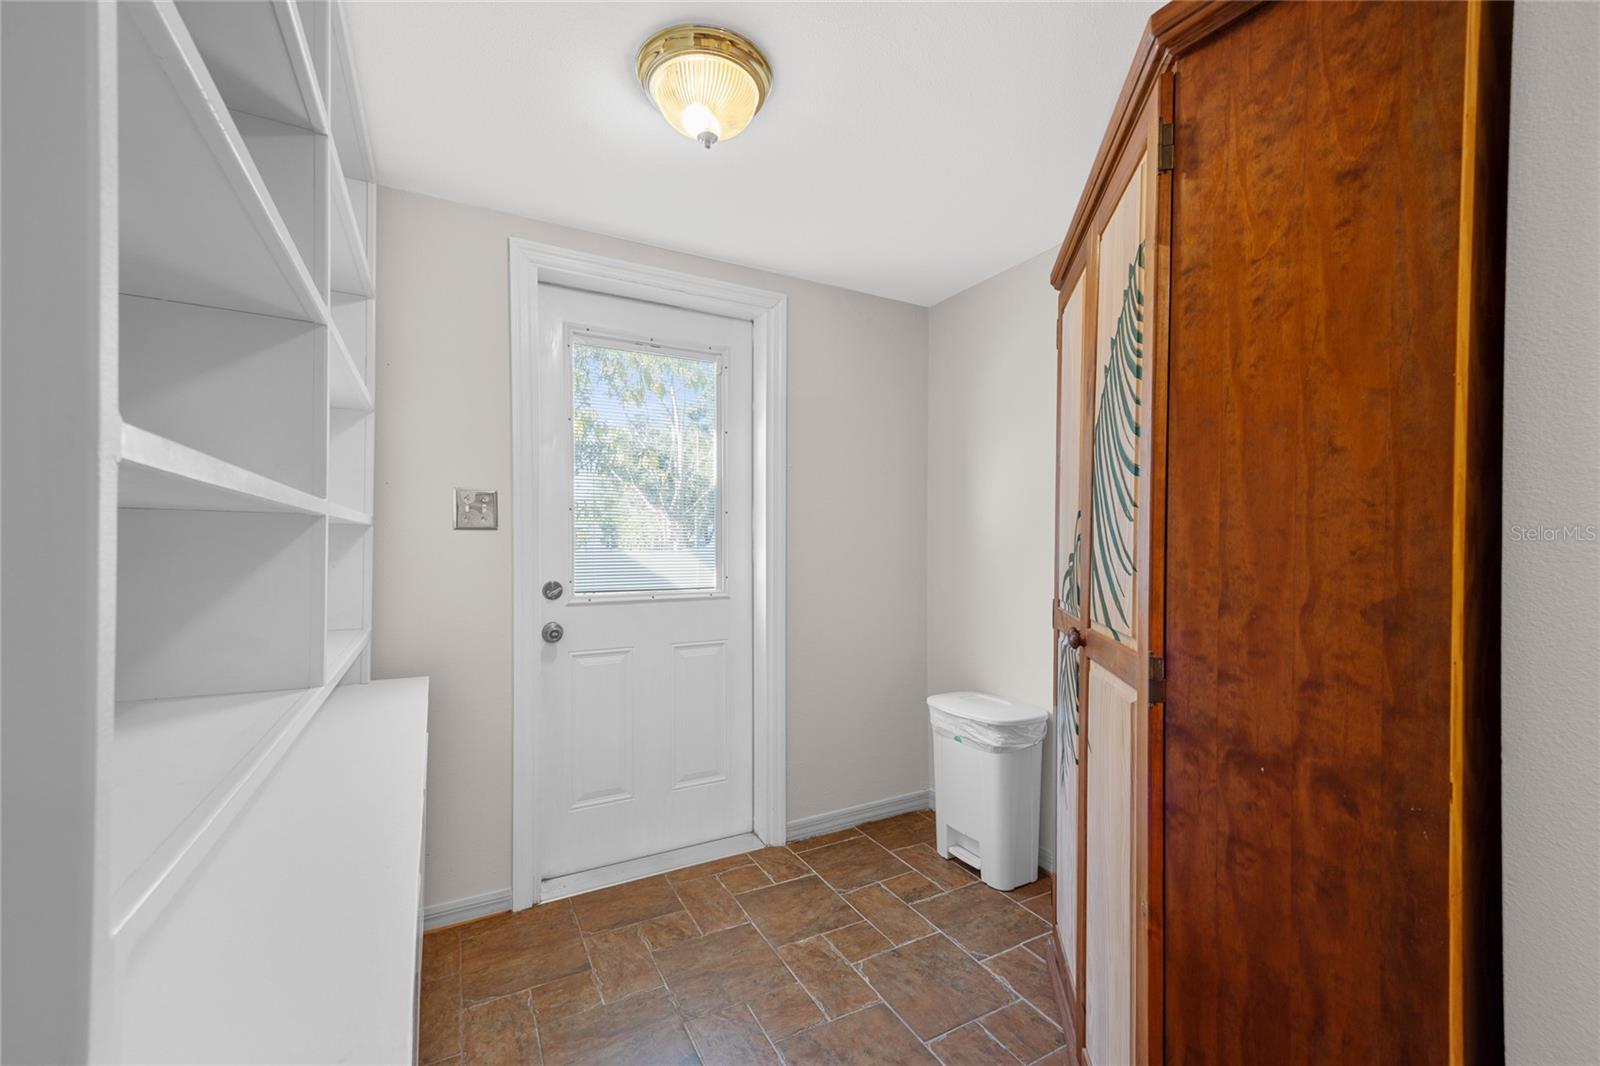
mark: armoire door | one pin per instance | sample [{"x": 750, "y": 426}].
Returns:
[{"x": 1107, "y": 629}]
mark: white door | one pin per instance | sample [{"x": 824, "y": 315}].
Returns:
[{"x": 644, "y": 724}]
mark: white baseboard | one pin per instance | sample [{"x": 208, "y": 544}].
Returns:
[
  {"x": 464, "y": 910},
  {"x": 846, "y": 817}
]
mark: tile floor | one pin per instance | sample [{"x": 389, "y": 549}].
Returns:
[{"x": 860, "y": 947}]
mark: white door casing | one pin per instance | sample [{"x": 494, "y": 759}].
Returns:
[
  {"x": 531, "y": 265},
  {"x": 644, "y": 730}
]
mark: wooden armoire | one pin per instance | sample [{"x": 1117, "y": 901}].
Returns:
[{"x": 1277, "y": 601}]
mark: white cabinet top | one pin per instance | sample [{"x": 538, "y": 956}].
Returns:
[{"x": 296, "y": 941}]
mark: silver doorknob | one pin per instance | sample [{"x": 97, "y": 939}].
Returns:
[{"x": 552, "y": 632}]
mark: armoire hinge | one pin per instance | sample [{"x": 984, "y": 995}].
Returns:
[
  {"x": 1158, "y": 679},
  {"x": 1164, "y": 148}
]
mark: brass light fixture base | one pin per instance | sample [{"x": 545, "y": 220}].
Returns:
[{"x": 690, "y": 39}]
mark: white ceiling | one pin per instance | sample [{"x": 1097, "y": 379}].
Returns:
[{"x": 908, "y": 150}]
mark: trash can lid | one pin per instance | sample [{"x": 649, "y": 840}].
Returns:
[{"x": 982, "y": 707}]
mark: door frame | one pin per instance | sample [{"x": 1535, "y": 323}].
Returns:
[{"x": 531, "y": 264}]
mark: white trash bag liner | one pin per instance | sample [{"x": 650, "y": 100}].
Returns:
[{"x": 987, "y": 736}]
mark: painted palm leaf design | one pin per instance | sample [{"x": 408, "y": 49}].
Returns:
[
  {"x": 1067, "y": 663},
  {"x": 1116, "y": 463}
]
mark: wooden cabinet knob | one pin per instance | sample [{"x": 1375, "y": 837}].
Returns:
[{"x": 1074, "y": 637}]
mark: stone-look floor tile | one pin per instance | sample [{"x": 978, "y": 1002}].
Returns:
[
  {"x": 896, "y": 921},
  {"x": 744, "y": 878},
  {"x": 518, "y": 951},
  {"x": 828, "y": 978},
  {"x": 970, "y": 1045},
  {"x": 856, "y": 942},
  {"x": 853, "y": 863},
  {"x": 731, "y": 1037},
  {"x": 669, "y": 929},
  {"x": 721, "y": 969},
  {"x": 797, "y": 910},
  {"x": 1039, "y": 887},
  {"x": 711, "y": 906},
  {"x": 1043, "y": 906},
  {"x": 708, "y": 869},
  {"x": 872, "y": 1037},
  {"x": 781, "y": 864},
  {"x": 800, "y": 847},
  {"x": 1029, "y": 976},
  {"x": 642, "y": 1030},
  {"x": 982, "y": 920},
  {"x": 569, "y": 995},
  {"x": 946, "y": 873},
  {"x": 934, "y": 986},
  {"x": 786, "y": 1011},
  {"x": 621, "y": 963},
  {"x": 1025, "y": 1032},
  {"x": 636, "y": 901},
  {"x": 901, "y": 831},
  {"x": 441, "y": 955},
  {"x": 500, "y": 1032},
  {"x": 1042, "y": 946},
  {"x": 1061, "y": 1056},
  {"x": 439, "y": 1021},
  {"x": 912, "y": 887}
]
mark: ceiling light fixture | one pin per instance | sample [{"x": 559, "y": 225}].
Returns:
[{"x": 708, "y": 83}]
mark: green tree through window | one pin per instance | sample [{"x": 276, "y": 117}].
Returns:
[{"x": 644, "y": 477}]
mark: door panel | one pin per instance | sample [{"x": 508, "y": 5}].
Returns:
[
  {"x": 1118, "y": 418},
  {"x": 601, "y": 751},
  {"x": 1109, "y": 944},
  {"x": 1068, "y": 720},
  {"x": 644, "y": 726},
  {"x": 700, "y": 725}
]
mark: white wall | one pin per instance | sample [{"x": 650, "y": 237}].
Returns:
[
  {"x": 991, "y": 493},
  {"x": 1551, "y": 620},
  {"x": 442, "y": 599}
]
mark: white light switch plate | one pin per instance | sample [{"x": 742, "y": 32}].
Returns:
[{"x": 477, "y": 509}]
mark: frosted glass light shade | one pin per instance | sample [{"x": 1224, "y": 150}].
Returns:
[{"x": 707, "y": 83}]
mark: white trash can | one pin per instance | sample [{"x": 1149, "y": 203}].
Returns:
[{"x": 986, "y": 781}]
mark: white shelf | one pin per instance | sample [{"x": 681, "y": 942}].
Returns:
[
  {"x": 258, "y": 55},
  {"x": 163, "y": 474},
  {"x": 347, "y": 516},
  {"x": 346, "y": 117},
  {"x": 351, "y": 269},
  {"x": 159, "y": 474},
  {"x": 198, "y": 224},
  {"x": 343, "y": 646},
  {"x": 182, "y": 771},
  {"x": 296, "y": 942},
  {"x": 247, "y": 389},
  {"x": 347, "y": 386},
  {"x": 171, "y": 756}
]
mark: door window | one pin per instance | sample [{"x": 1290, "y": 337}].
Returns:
[{"x": 646, "y": 462}]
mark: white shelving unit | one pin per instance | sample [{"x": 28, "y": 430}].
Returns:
[{"x": 239, "y": 781}]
